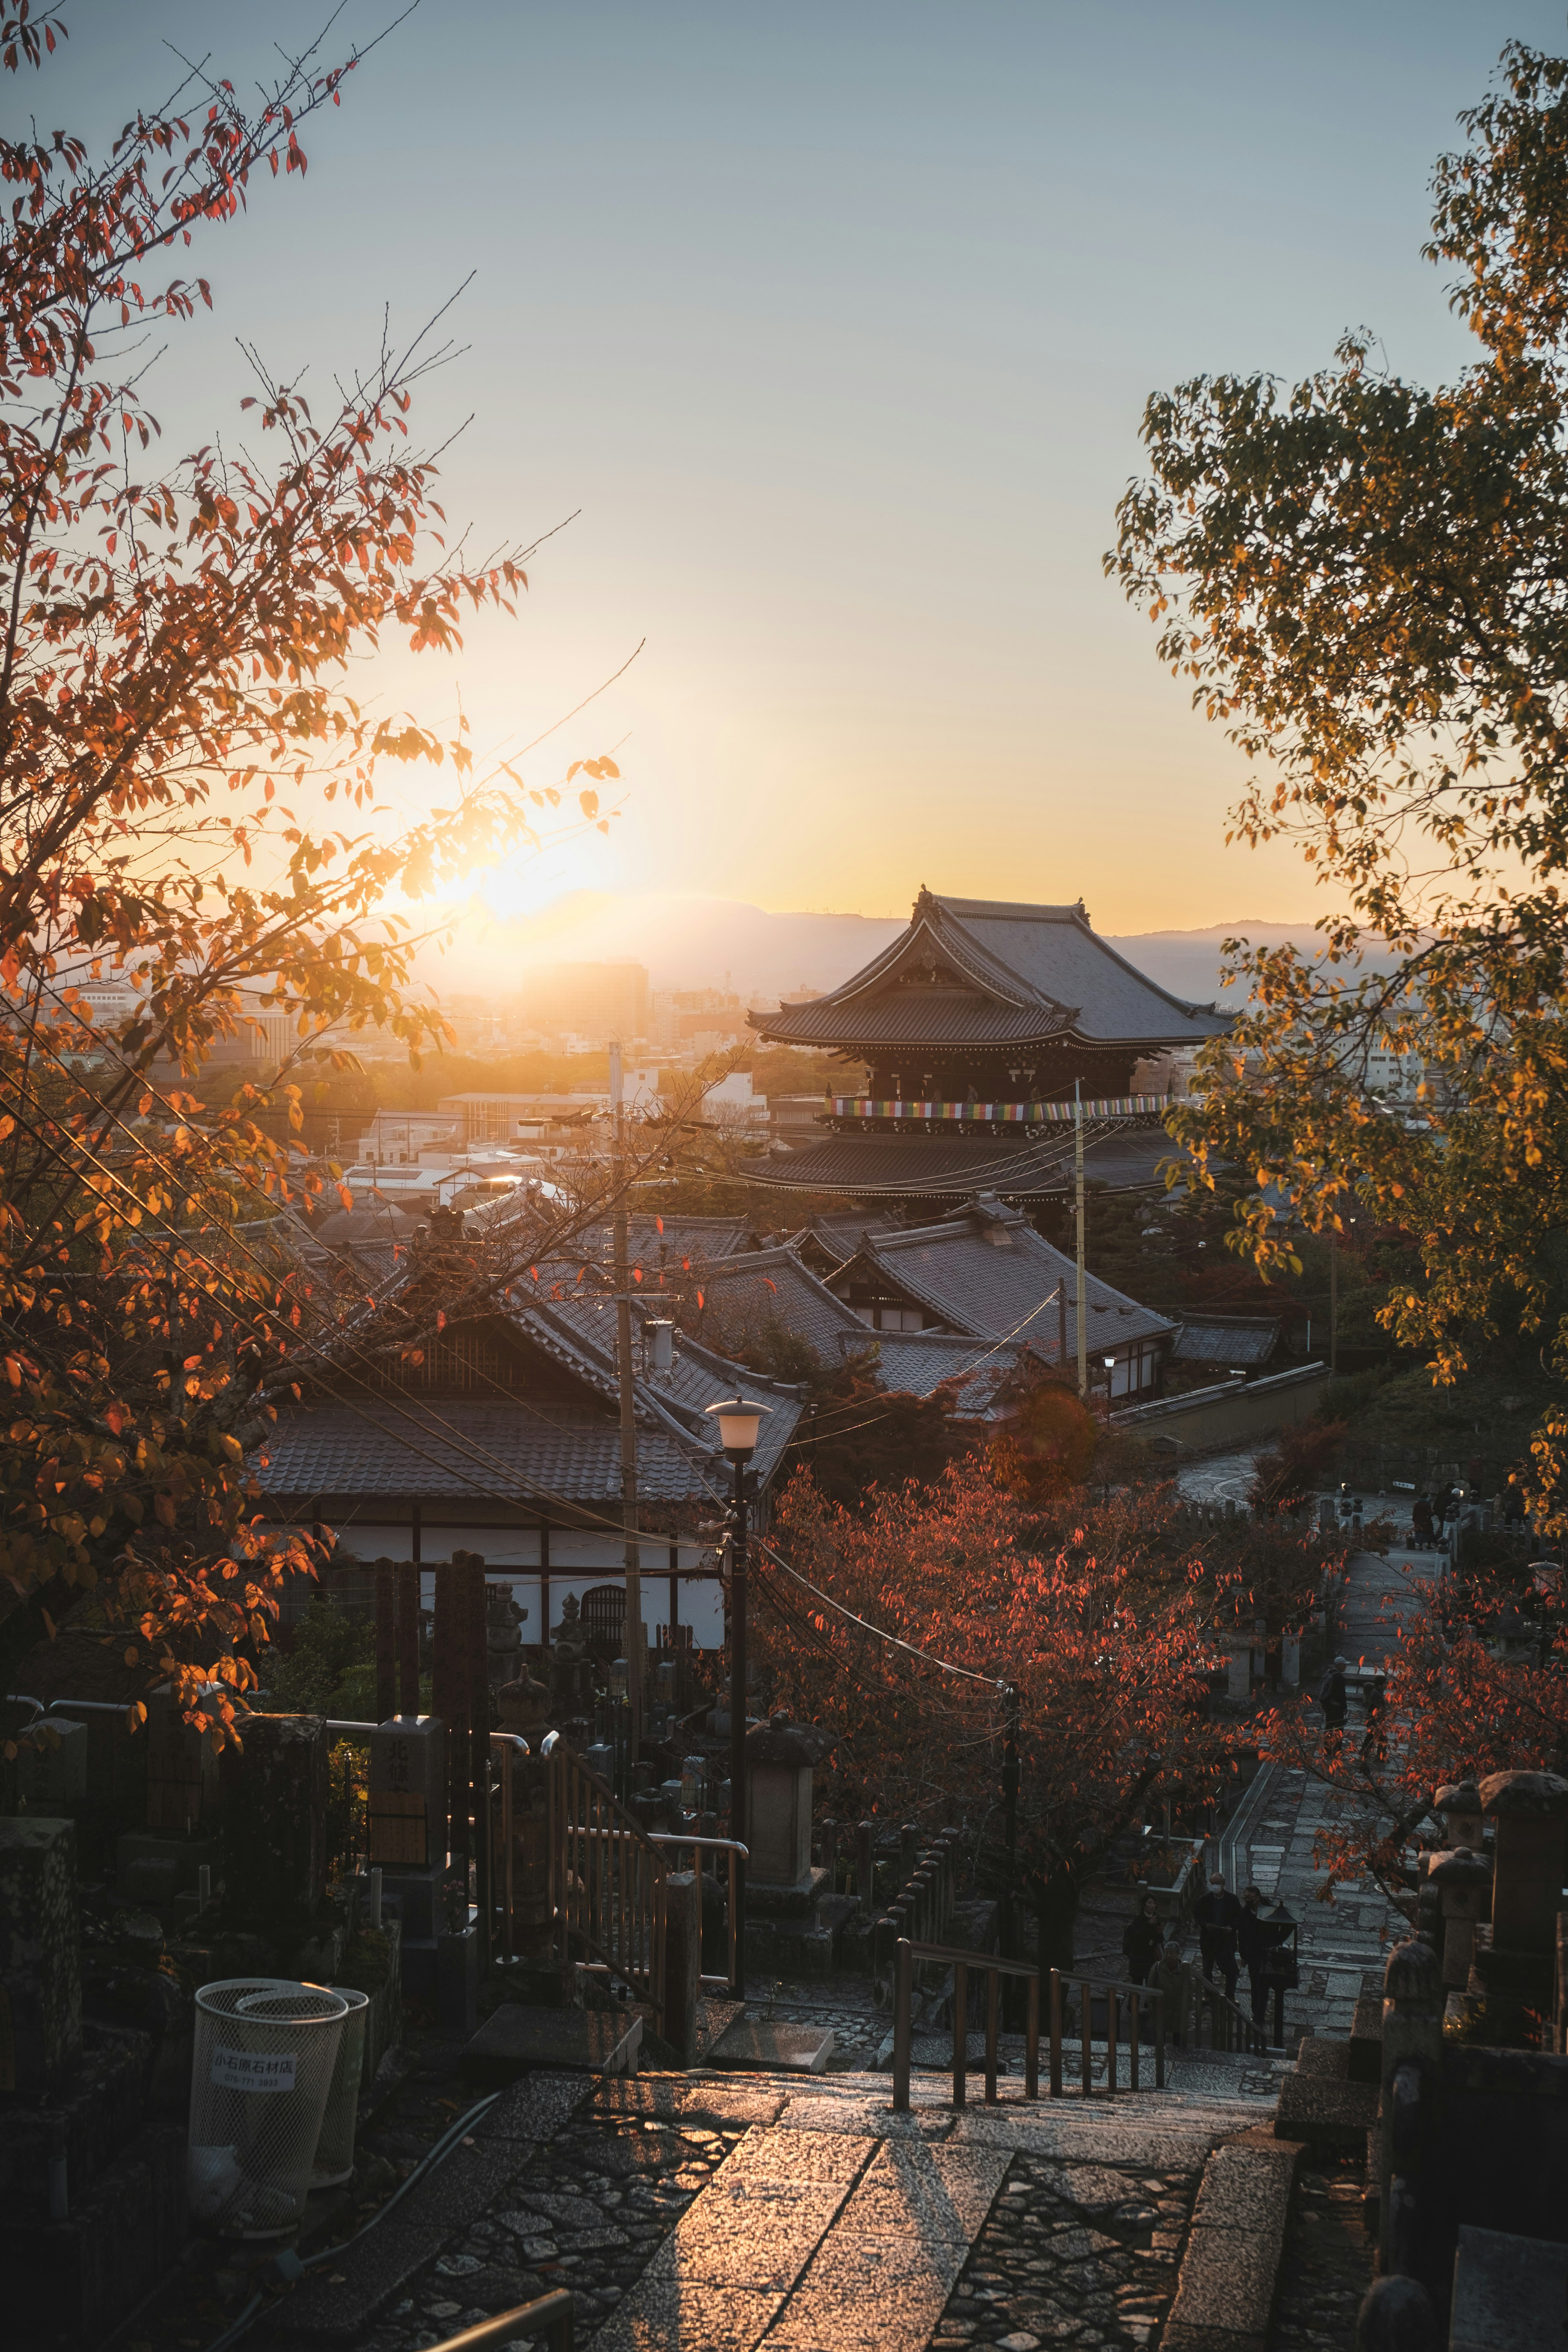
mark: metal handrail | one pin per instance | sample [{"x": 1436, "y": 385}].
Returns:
[
  {"x": 1240, "y": 2032},
  {"x": 508, "y": 1907},
  {"x": 618, "y": 1915},
  {"x": 961, "y": 1963},
  {"x": 1114, "y": 1988},
  {"x": 549, "y": 2315},
  {"x": 737, "y": 1852}
]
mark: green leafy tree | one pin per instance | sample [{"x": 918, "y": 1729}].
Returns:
[{"x": 1361, "y": 579}]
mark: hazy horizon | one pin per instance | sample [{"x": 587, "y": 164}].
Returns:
[{"x": 833, "y": 329}]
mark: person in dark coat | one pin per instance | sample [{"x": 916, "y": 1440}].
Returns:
[
  {"x": 1252, "y": 1940},
  {"x": 1142, "y": 1941},
  {"x": 1218, "y": 1914},
  {"x": 1334, "y": 1699},
  {"x": 1421, "y": 1520}
]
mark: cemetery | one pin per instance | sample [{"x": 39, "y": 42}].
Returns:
[{"x": 475, "y": 2012}]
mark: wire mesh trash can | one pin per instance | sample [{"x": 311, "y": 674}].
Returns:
[
  {"x": 335, "y": 2148},
  {"x": 265, "y": 2052}
]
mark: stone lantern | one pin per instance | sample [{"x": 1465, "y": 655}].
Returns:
[
  {"x": 524, "y": 1707},
  {"x": 1463, "y": 1881},
  {"x": 1460, "y": 1807},
  {"x": 1529, "y": 1814}
]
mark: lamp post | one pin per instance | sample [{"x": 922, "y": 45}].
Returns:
[
  {"x": 1281, "y": 1967},
  {"x": 738, "y": 1421}
]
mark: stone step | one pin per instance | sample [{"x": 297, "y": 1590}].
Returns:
[{"x": 837, "y": 2225}]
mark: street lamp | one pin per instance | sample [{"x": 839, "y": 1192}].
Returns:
[
  {"x": 738, "y": 1421},
  {"x": 1281, "y": 1966}
]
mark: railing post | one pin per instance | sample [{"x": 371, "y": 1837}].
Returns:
[
  {"x": 1055, "y": 2026},
  {"x": 903, "y": 1976},
  {"x": 993, "y": 2023},
  {"x": 1086, "y": 2034},
  {"x": 1135, "y": 2031},
  {"x": 959, "y": 2033},
  {"x": 865, "y": 1864},
  {"x": 1113, "y": 2020},
  {"x": 1159, "y": 2041},
  {"x": 1032, "y": 2039}
]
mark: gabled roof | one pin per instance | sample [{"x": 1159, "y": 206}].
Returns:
[
  {"x": 1236, "y": 1339},
  {"x": 742, "y": 1295},
  {"x": 988, "y": 1274},
  {"x": 913, "y": 1363},
  {"x": 528, "y": 1450},
  {"x": 993, "y": 973}
]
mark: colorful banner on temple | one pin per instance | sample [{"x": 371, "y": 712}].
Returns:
[{"x": 1025, "y": 1114}]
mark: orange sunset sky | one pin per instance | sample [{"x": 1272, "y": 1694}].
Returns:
[{"x": 834, "y": 323}]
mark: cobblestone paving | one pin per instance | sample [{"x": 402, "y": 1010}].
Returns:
[
  {"x": 589, "y": 2213},
  {"x": 1328, "y": 2262},
  {"x": 1073, "y": 2253}
]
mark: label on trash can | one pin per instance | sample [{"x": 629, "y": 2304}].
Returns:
[{"x": 253, "y": 2070}]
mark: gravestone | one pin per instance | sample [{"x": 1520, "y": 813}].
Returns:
[
  {"x": 40, "y": 1954},
  {"x": 275, "y": 1794},
  {"x": 182, "y": 1768},
  {"x": 794, "y": 1920},
  {"x": 408, "y": 1792},
  {"x": 408, "y": 1783},
  {"x": 1239, "y": 1682},
  {"x": 1529, "y": 1812},
  {"x": 51, "y": 1772}
]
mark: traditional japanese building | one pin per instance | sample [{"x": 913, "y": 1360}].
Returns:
[{"x": 976, "y": 1026}]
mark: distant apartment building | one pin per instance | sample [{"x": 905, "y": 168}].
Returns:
[
  {"x": 394, "y": 1139},
  {"x": 594, "y": 1002}
]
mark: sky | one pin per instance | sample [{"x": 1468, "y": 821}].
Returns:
[{"x": 832, "y": 326}]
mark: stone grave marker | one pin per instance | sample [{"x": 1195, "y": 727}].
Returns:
[{"x": 40, "y": 1954}]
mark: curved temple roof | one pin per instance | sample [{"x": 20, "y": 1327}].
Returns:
[{"x": 990, "y": 973}]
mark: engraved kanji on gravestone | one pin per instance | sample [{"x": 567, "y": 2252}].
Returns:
[{"x": 408, "y": 1790}]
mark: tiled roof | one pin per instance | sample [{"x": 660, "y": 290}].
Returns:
[
  {"x": 517, "y": 1449},
  {"x": 936, "y": 1016},
  {"x": 916, "y": 1362},
  {"x": 1013, "y": 973},
  {"x": 947, "y": 1167},
  {"x": 996, "y": 1290},
  {"x": 454, "y": 1448},
  {"x": 744, "y": 1295},
  {"x": 1226, "y": 1340}
]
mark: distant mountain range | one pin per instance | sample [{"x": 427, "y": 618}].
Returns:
[{"x": 723, "y": 943}]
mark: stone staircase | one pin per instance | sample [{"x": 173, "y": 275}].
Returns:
[
  {"x": 711, "y": 2211},
  {"x": 838, "y": 2226}
]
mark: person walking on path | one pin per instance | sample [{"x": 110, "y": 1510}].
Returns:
[
  {"x": 1334, "y": 1700},
  {"x": 1141, "y": 1943},
  {"x": 1252, "y": 1940},
  {"x": 1218, "y": 1915}
]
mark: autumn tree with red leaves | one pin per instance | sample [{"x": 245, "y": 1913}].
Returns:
[
  {"x": 174, "y": 652},
  {"x": 1457, "y": 1708}
]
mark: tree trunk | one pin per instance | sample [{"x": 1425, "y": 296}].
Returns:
[{"x": 1056, "y": 1908}]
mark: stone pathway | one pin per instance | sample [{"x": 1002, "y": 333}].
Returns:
[{"x": 842, "y": 2227}]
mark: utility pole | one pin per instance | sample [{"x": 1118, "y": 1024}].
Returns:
[
  {"x": 632, "y": 1630},
  {"x": 1082, "y": 1288},
  {"x": 1010, "y": 1776},
  {"x": 1333, "y": 1300}
]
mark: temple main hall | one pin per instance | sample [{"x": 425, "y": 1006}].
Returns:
[{"x": 982, "y": 1027}]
